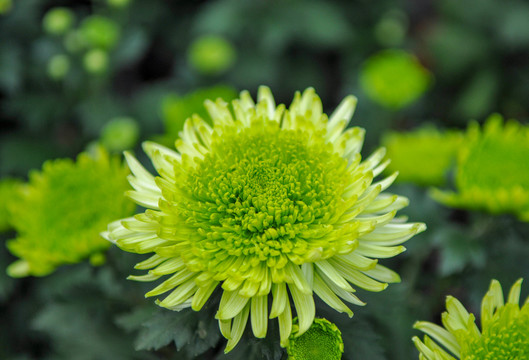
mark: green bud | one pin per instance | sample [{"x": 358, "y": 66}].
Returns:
[
  {"x": 100, "y": 32},
  {"x": 391, "y": 28},
  {"x": 120, "y": 134},
  {"x": 322, "y": 341},
  {"x": 211, "y": 54},
  {"x": 96, "y": 61},
  {"x": 394, "y": 78},
  {"x": 58, "y": 20},
  {"x": 58, "y": 66}
]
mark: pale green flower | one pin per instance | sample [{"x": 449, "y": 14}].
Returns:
[
  {"x": 59, "y": 214},
  {"x": 268, "y": 201},
  {"x": 492, "y": 171},
  {"x": 504, "y": 331},
  {"x": 394, "y": 78},
  {"x": 435, "y": 151},
  {"x": 322, "y": 341}
]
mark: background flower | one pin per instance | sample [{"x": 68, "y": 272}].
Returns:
[
  {"x": 423, "y": 156},
  {"x": 492, "y": 171},
  {"x": 504, "y": 329},
  {"x": 58, "y": 215}
]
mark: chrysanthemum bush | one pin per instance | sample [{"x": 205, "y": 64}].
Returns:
[
  {"x": 492, "y": 171},
  {"x": 271, "y": 205},
  {"x": 60, "y": 212},
  {"x": 504, "y": 330}
]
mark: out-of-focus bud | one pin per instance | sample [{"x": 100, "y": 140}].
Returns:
[
  {"x": 211, "y": 54},
  {"x": 95, "y": 61},
  {"x": 58, "y": 21},
  {"x": 58, "y": 66}
]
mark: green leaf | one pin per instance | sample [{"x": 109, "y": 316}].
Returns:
[
  {"x": 84, "y": 332},
  {"x": 193, "y": 333},
  {"x": 458, "y": 250}
]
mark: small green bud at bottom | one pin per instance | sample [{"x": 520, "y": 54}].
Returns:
[{"x": 322, "y": 341}]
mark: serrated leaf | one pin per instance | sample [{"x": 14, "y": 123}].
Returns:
[
  {"x": 161, "y": 329},
  {"x": 135, "y": 319}
]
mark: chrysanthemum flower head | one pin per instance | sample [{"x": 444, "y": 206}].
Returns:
[
  {"x": 504, "y": 329},
  {"x": 492, "y": 171},
  {"x": 434, "y": 150},
  {"x": 59, "y": 214},
  {"x": 323, "y": 341},
  {"x": 269, "y": 204}
]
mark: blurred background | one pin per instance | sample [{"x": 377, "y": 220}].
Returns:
[{"x": 117, "y": 72}]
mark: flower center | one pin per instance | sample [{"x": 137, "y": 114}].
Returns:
[{"x": 264, "y": 195}]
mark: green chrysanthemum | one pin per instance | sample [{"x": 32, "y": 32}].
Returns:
[
  {"x": 492, "y": 170},
  {"x": 434, "y": 150},
  {"x": 322, "y": 341},
  {"x": 267, "y": 201},
  {"x": 504, "y": 329},
  {"x": 61, "y": 211},
  {"x": 8, "y": 192}
]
